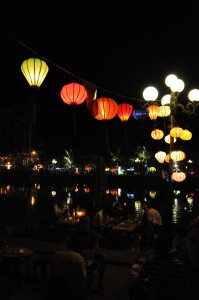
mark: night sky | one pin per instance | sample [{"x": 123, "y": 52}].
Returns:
[{"x": 121, "y": 47}]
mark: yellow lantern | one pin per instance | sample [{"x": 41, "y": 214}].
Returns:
[
  {"x": 164, "y": 111},
  {"x": 176, "y": 131},
  {"x": 178, "y": 155},
  {"x": 178, "y": 176},
  {"x": 160, "y": 156},
  {"x": 35, "y": 71},
  {"x": 157, "y": 134},
  {"x": 186, "y": 135}
]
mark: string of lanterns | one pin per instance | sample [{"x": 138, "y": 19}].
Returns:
[{"x": 105, "y": 108}]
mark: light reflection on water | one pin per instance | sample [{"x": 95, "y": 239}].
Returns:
[{"x": 42, "y": 204}]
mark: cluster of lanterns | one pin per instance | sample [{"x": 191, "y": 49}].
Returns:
[
  {"x": 104, "y": 108},
  {"x": 150, "y": 94}
]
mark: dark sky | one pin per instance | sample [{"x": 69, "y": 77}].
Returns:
[{"x": 119, "y": 46}]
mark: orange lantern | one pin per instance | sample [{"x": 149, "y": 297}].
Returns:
[
  {"x": 160, "y": 156},
  {"x": 153, "y": 111},
  {"x": 157, "y": 134},
  {"x": 106, "y": 109},
  {"x": 178, "y": 155},
  {"x": 167, "y": 158},
  {"x": 178, "y": 176},
  {"x": 176, "y": 131},
  {"x": 73, "y": 93},
  {"x": 124, "y": 111},
  {"x": 186, "y": 135},
  {"x": 164, "y": 111}
]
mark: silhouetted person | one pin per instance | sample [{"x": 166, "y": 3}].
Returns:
[
  {"x": 68, "y": 275},
  {"x": 150, "y": 226},
  {"x": 90, "y": 250}
]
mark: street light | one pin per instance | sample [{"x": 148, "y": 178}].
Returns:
[
  {"x": 35, "y": 71},
  {"x": 170, "y": 101}
]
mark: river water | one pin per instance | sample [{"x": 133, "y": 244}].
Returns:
[{"x": 42, "y": 205}]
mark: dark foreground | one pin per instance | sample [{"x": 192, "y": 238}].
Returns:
[{"x": 36, "y": 288}]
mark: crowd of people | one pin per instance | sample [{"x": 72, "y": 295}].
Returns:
[{"x": 168, "y": 264}]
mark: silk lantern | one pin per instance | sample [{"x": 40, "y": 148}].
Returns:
[
  {"x": 104, "y": 109},
  {"x": 124, "y": 111},
  {"x": 178, "y": 176},
  {"x": 178, "y": 155},
  {"x": 168, "y": 139},
  {"x": 164, "y": 111},
  {"x": 186, "y": 135},
  {"x": 35, "y": 71},
  {"x": 107, "y": 109},
  {"x": 73, "y": 93},
  {"x": 160, "y": 156},
  {"x": 157, "y": 134},
  {"x": 140, "y": 113},
  {"x": 167, "y": 158},
  {"x": 153, "y": 111},
  {"x": 176, "y": 131}
]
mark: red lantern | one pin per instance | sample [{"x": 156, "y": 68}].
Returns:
[
  {"x": 107, "y": 109},
  {"x": 73, "y": 93},
  {"x": 124, "y": 111},
  {"x": 153, "y": 111}
]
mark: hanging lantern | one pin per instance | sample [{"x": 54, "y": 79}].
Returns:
[
  {"x": 167, "y": 158},
  {"x": 153, "y": 111},
  {"x": 178, "y": 176},
  {"x": 186, "y": 135},
  {"x": 178, "y": 155},
  {"x": 140, "y": 113},
  {"x": 176, "y": 131},
  {"x": 35, "y": 71},
  {"x": 107, "y": 108},
  {"x": 160, "y": 156},
  {"x": 124, "y": 111},
  {"x": 164, "y": 111},
  {"x": 73, "y": 93},
  {"x": 157, "y": 134},
  {"x": 168, "y": 139}
]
